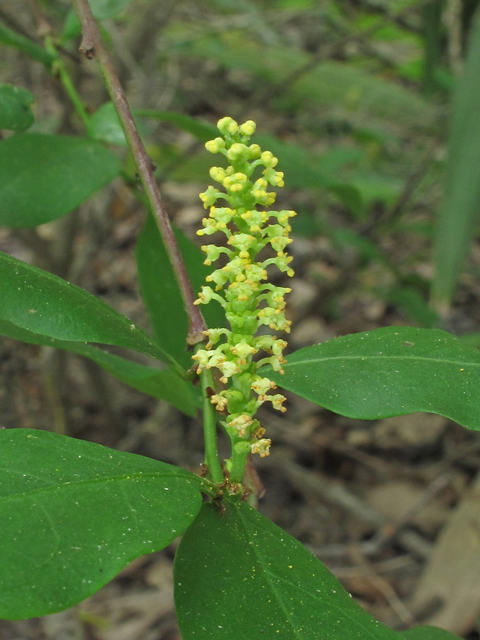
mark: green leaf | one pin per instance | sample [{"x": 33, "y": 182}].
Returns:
[
  {"x": 106, "y": 125},
  {"x": 200, "y": 130},
  {"x": 15, "y": 108},
  {"x": 239, "y": 577},
  {"x": 74, "y": 513},
  {"x": 374, "y": 187},
  {"x": 160, "y": 290},
  {"x": 363, "y": 245},
  {"x": 101, "y": 9},
  {"x": 165, "y": 385},
  {"x": 45, "y": 177},
  {"x": 13, "y": 39},
  {"x": 388, "y": 372},
  {"x": 45, "y": 304},
  {"x": 428, "y": 633},
  {"x": 107, "y": 128},
  {"x": 459, "y": 213}
]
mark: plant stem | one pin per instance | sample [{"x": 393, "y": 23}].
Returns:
[
  {"x": 239, "y": 460},
  {"x": 12, "y": 39},
  {"x": 92, "y": 46},
  {"x": 59, "y": 67},
  {"x": 209, "y": 429}
]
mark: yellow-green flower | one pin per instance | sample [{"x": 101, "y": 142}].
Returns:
[{"x": 241, "y": 284}]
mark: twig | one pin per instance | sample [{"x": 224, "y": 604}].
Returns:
[
  {"x": 345, "y": 36},
  {"x": 413, "y": 181},
  {"x": 383, "y": 566},
  {"x": 382, "y": 585},
  {"x": 437, "y": 485},
  {"x": 92, "y": 46},
  {"x": 13, "y": 23},
  {"x": 283, "y": 85},
  {"x": 336, "y": 493},
  {"x": 444, "y": 465}
]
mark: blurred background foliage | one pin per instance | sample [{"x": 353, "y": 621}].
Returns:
[
  {"x": 372, "y": 108},
  {"x": 354, "y": 96}
]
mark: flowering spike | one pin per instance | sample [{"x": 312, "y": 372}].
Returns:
[{"x": 248, "y": 300}]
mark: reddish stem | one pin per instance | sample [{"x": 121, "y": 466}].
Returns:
[{"x": 92, "y": 46}]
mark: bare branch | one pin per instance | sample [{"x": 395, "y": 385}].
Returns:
[{"x": 92, "y": 46}]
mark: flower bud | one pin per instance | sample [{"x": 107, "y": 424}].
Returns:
[
  {"x": 254, "y": 152},
  {"x": 218, "y": 174},
  {"x": 210, "y": 196},
  {"x": 248, "y": 128},
  {"x": 242, "y": 287},
  {"x": 214, "y": 146},
  {"x": 242, "y": 447},
  {"x": 268, "y": 159},
  {"x": 236, "y": 150},
  {"x": 227, "y": 126}
]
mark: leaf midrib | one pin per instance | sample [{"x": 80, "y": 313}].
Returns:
[
  {"x": 269, "y": 573},
  {"x": 296, "y": 363}
]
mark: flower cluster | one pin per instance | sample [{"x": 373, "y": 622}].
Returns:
[{"x": 241, "y": 286}]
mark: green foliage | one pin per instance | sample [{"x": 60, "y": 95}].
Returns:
[
  {"x": 459, "y": 214},
  {"x": 44, "y": 304},
  {"x": 11, "y": 38},
  {"x": 389, "y": 372},
  {"x": 160, "y": 291},
  {"x": 101, "y": 9},
  {"x": 162, "y": 384},
  {"x": 90, "y": 511},
  {"x": 412, "y": 302},
  {"x": 432, "y": 26},
  {"x": 198, "y": 129},
  {"x": 265, "y": 584},
  {"x": 306, "y": 172},
  {"x": 45, "y": 177},
  {"x": 106, "y": 125},
  {"x": 15, "y": 108},
  {"x": 346, "y": 88}
]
